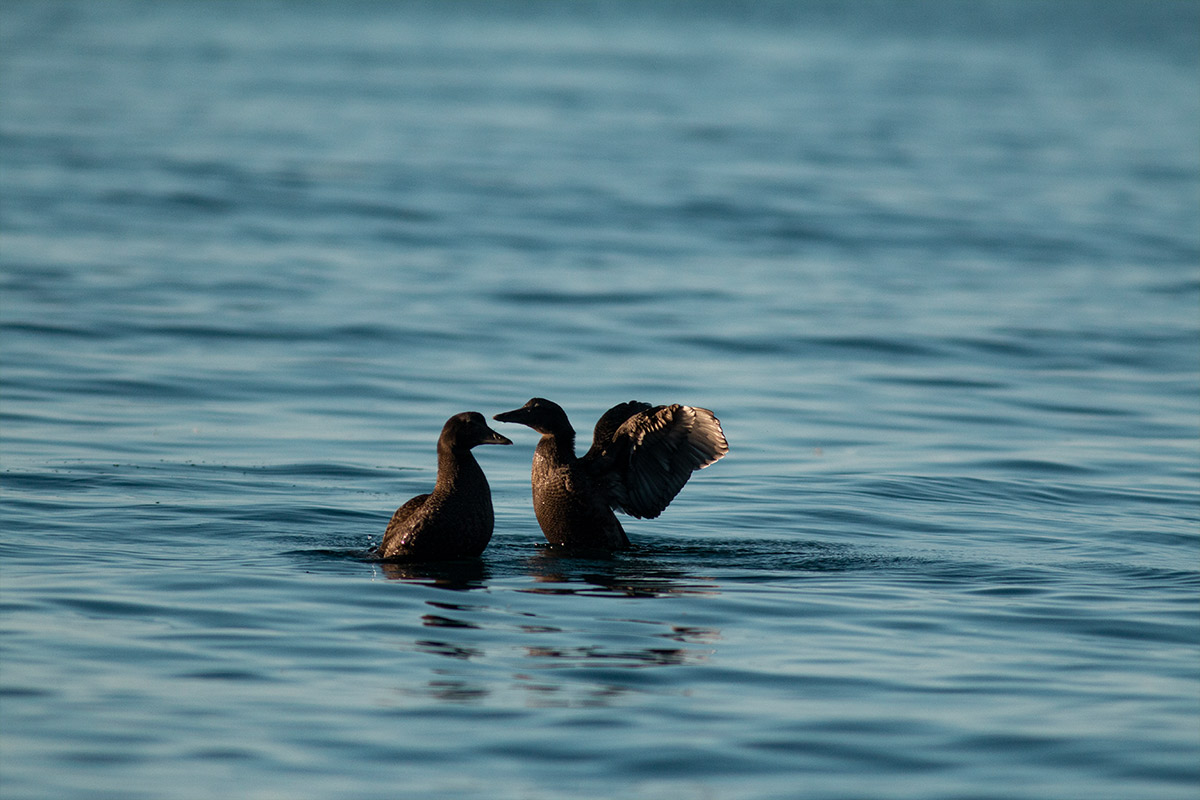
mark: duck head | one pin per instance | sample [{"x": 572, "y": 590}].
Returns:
[
  {"x": 468, "y": 429},
  {"x": 540, "y": 414}
]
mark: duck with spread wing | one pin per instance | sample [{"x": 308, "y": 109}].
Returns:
[{"x": 641, "y": 456}]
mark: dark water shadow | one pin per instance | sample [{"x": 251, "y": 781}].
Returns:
[
  {"x": 627, "y": 574},
  {"x": 663, "y": 567},
  {"x": 659, "y": 567},
  {"x": 549, "y": 653},
  {"x": 459, "y": 576}
]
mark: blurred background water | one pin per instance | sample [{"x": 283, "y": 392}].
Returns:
[{"x": 935, "y": 265}]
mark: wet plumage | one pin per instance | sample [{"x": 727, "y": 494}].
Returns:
[
  {"x": 640, "y": 458},
  {"x": 454, "y": 520}
]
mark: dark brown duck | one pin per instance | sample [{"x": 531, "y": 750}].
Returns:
[
  {"x": 641, "y": 456},
  {"x": 454, "y": 520}
]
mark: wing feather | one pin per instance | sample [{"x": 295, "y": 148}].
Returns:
[
  {"x": 652, "y": 453},
  {"x": 608, "y": 424}
]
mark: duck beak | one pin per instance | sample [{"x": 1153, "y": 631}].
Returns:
[
  {"x": 517, "y": 415},
  {"x": 494, "y": 438}
]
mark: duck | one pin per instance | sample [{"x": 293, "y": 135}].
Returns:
[
  {"x": 641, "y": 457},
  {"x": 455, "y": 520}
]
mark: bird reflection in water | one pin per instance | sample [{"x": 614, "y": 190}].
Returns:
[
  {"x": 620, "y": 577},
  {"x": 551, "y": 661},
  {"x": 448, "y": 650},
  {"x": 461, "y": 576},
  {"x": 559, "y": 573},
  {"x": 592, "y": 655}
]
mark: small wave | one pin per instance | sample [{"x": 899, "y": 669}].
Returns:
[
  {"x": 603, "y": 298},
  {"x": 1032, "y": 466},
  {"x": 178, "y": 200},
  {"x": 315, "y": 469},
  {"x": 813, "y": 346}
]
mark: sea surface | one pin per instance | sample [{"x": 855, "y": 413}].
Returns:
[{"x": 935, "y": 265}]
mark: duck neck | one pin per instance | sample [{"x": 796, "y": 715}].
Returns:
[
  {"x": 558, "y": 446},
  {"x": 455, "y": 465}
]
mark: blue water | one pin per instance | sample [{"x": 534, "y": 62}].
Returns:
[{"x": 935, "y": 265}]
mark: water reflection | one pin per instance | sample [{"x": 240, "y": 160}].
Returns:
[
  {"x": 551, "y": 649},
  {"x": 438, "y": 621},
  {"x": 450, "y": 691},
  {"x": 449, "y": 650},
  {"x": 592, "y": 655},
  {"x": 507, "y": 663},
  {"x": 692, "y": 634},
  {"x": 541, "y": 694},
  {"x": 626, "y": 576},
  {"x": 557, "y": 573},
  {"x": 460, "y": 576}
]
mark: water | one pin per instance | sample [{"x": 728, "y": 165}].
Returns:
[{"x": 935, "y": 266}]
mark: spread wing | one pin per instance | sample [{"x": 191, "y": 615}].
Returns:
[
  {"x": 607, "y": 425},
  {"x": 652, "y": 453}
]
